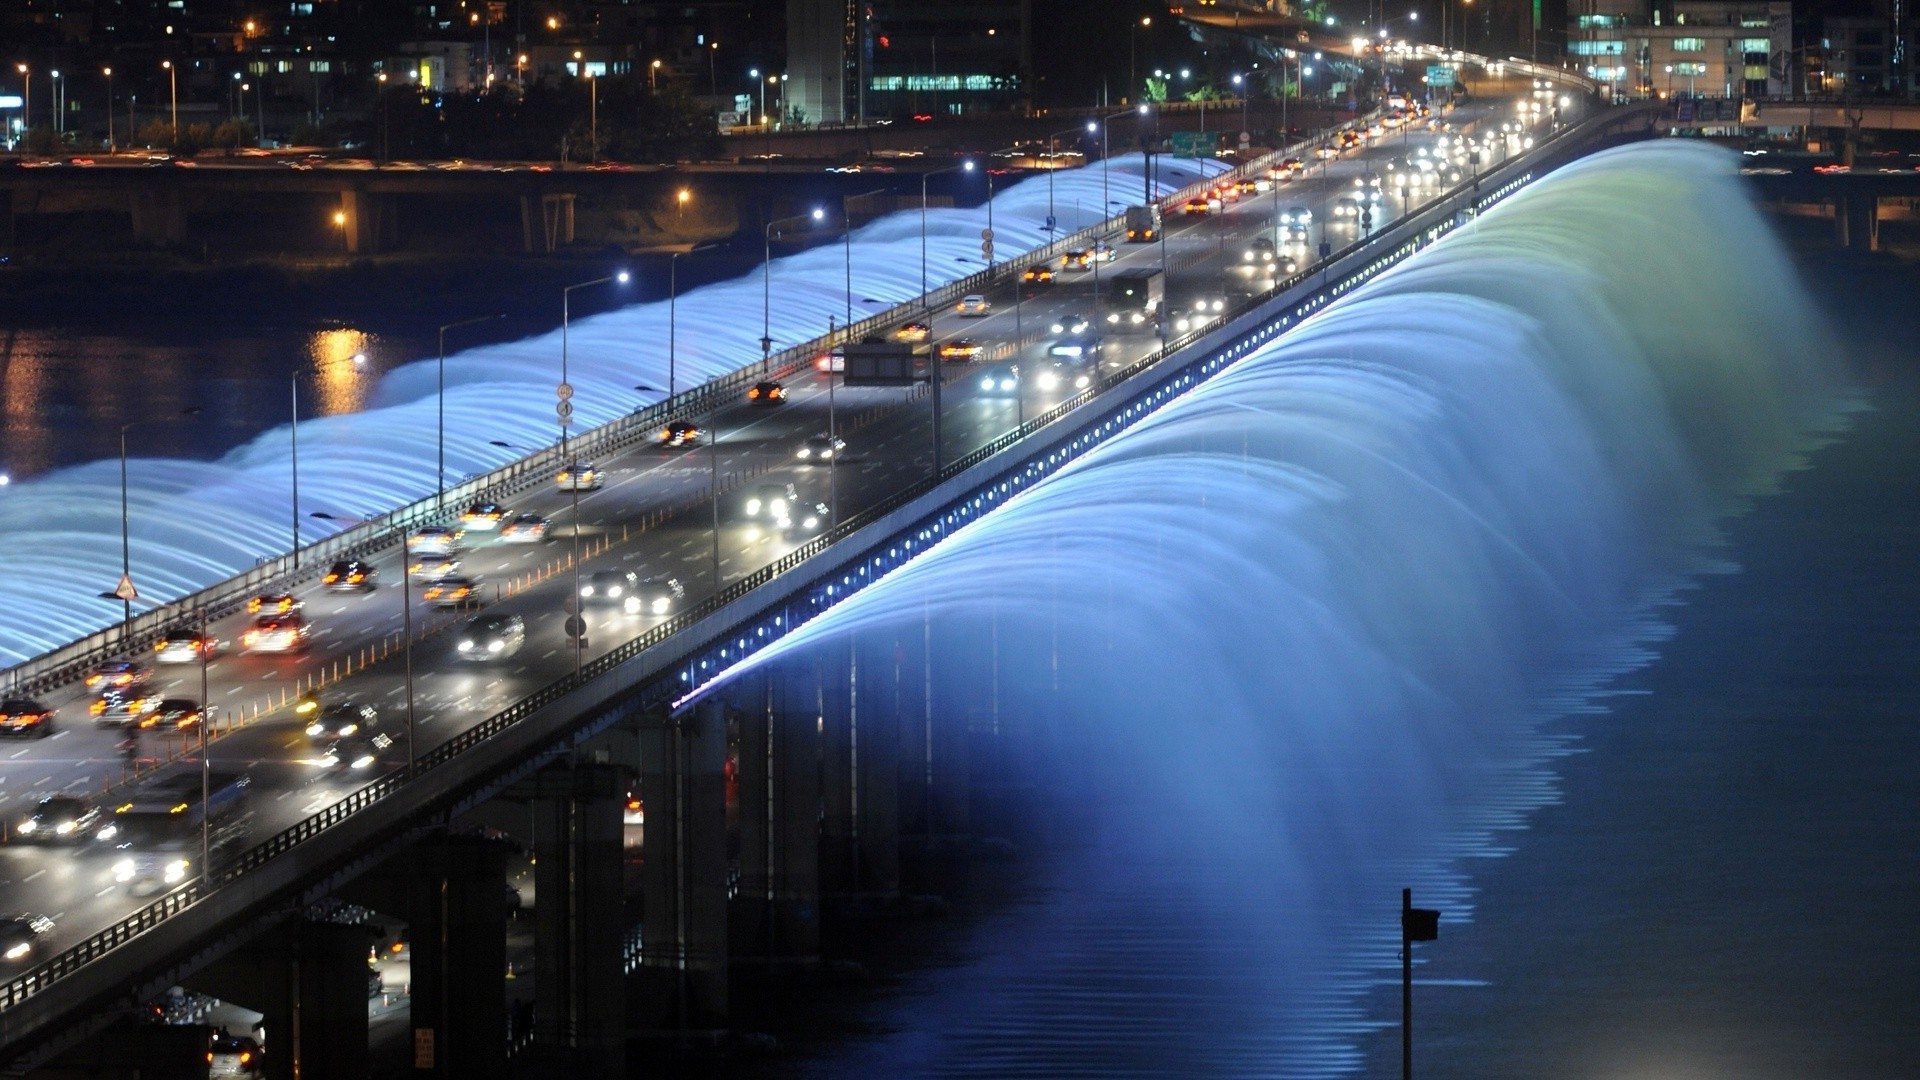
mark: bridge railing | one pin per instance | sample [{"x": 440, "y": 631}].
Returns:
[{"x": 1464, "y": 198}]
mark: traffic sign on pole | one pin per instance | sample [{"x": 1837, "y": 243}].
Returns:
[{"x": 563, "y": 391}]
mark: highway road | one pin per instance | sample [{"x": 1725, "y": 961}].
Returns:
[{"x": 887, "y": 432}]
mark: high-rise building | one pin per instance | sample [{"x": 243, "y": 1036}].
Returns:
[
  {"x": 1704, "y": 48},
  {"x": 849, "y": 60}
]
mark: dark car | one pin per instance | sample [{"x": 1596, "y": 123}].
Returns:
[
  {"x": 120, "y": 708},
  {"x": 766, "y": 392},
  {"x": 679, "y": 433},
  {"x": 234, "y": 1055},
  {"x": 118, "y": 675},
  {"x": 20, "y": 717},
  {"x": 350, "y": 575},
  {"x": 341, "y": 719},
  {"x": 172, "y": 714},
  {"x": 611, "y": 586},
  {"x": 491, "y": 637},
  {"x": 654, "y": 596},
  {"x": 20, "y": 936},
  {"x": 59, "y": 819},
  {"x": 357, "y": 752}
]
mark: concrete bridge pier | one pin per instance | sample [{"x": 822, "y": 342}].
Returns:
[
  {"x": 682, "y": 982},
  {"x": 365, "y": 221},
  {"x": 776, "y": 912},
  {"x": 860, "y": 771},
  {"x": 546, "y": 222},
  {"x": 456, "y": 916},
  {"x": 310, "y": 979},
  {"x": 1856, "y": 222},
  {"x": 579, "y": 917}
]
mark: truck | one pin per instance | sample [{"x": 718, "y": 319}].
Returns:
[
  {"x": 157, "y": 827},
  {"x": 1143, "y": 224},
  {"x": 1134, "y": 297},
  {"x": 879, "y": 362}
]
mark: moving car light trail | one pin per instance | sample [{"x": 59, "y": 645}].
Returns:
[
  {"x": 1316, "y": 628},
  {"x": 194, "y": 523}
]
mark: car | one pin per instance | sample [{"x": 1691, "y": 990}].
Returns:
[
  {"x": 339, "y": 719},
  {"x": 184, "y": 645},
  {"x": 1103, "y": 252},
  {"x": 1346, "y": 208},
  {"x": 171, "y": 714},
  {"x": 491, "y": 637},
  {"x": 524, "y": 529},
  {"x": 453, "y": 591},
  {"x": 1201, "y": 313},
  {"x": 819, "y": 448},
  {"x": 1296, "y": 215},
  {"x": 279, "y": 633},
  {"x": 608, "y": 585},
  {"x": 1246, "y": 185},
  {"x": 1075, "y": 347},
  {"x": 120, "y": 708},
  {"x": 434, "y": 540},
  {"x": 1261, "y": 251},
  {"x": 1071, "y": 323},
  {"x": 766, "y": 392},
  {"x": 59, "y": 819},
  {"x": 960, "y": 349},
  {"x": 430, "y": 568},
  {"x": 913, "y": 332},
  {"x": 1227, "y": 193},
  {"x": 579, "y": 476},
  {"x": 350, "y": 575},
  {"x": 483, "y": 517},
  {"x": 20, "y": 936},
  {"x": 234, "y": 1055},
  {"x": 1038, "y": 275},
  {"x": 831, "y": 363},
  {"x": 272, "y": 603},
  {"x": 1077, "y": 259},
  {"x": 1069, "y": 375},
  {"x": 1196, "y": 207},
  {"x": 654, "y": 596},
  {"x": 118, "y": 675},
  {"x": 773, "y": 501},
  {"x": 357, "y": 752},
  {"x": 974, "y": 306},
  {"x": 24, "y": 717},
  {"x": 679, "y": 433},
  {"x": 1004, "y": 380}
]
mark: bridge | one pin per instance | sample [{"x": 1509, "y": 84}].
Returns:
[{"x": 563, "y": 750}]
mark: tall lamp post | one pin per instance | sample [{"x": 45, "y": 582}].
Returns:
[
  {"x": 766, "y": 283},
  {"x": 565, "y": 411},
  {"x": 933, "y": 362},
  {"x": 173, "y": 88},
  {"x": 440, "y": 420},
  {"x": 108, "y": 72},
  {"x": 293, "y": 442},
  {"x": 846, "y": 220},
  {"x": 1133, "y": 34},
  {"x": 1053, "y": 162},
  {"x": 125, "y": 593},
  {"x": 26, "y": 98},
  {"x": 673, "y": 326}
]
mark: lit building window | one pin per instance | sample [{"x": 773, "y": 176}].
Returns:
[{"x": 1689, "y": 44}]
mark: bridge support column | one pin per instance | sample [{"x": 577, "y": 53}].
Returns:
[
  {"x": 552, "y": 228},
  {"x": 457, "y": 922},
  {"x": 579, "y": 918},
  {"x": 860, "y": 836},
  {"x": 1856, "y": 222},
  {"x": 682, "y": 983},
  {"x": 362, "y": 221},
  {"x": 159, "y": 217},
  {"x": 777, "y": 911},
  {"x": 310, "y": 981}
]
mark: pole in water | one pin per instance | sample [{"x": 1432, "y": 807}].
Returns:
[{"x": 1416, "y": 924}]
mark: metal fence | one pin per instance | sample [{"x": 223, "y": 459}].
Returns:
[{"x": 1465, "y": 198}]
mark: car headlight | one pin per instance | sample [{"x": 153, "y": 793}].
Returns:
[
  {"x": 613, "y": 592},
  {"x": 805, "y": 452},
  {"x": 123, "y": 871},
  {"x": 363, "y": 761},
  {"x": 986, "y": 383},
  {"x": 1057, "y": 328},
  {"x": 753, "y": 507},
  {"x": 1082, "y": 382},
  {"x": 63, "y": 828},
  {"x": 631, "y": 605},
  {"x": 586, "y": 590},
  {"x": 660, "y": 605},
  {"x": 107, "y": 832},
  {"x": 27, "y": 826},
  {"x": 1048, "y": 380},
  {"x": 314, "y": 730},
  {"x": 176, "y": 872},
  {"x": 349, "y": 730},
  {"x": 496, "y": 646},
  {"x": 465, "y": 646},
  {"x": 19, "y": 951},
  {"x": 1006, "y": 384}
]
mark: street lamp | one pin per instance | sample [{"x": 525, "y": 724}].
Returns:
[
  {"x": 125, "y": 592},
  {"x": 233, "y": 99},
  {"x": 108, "y": 72},
  {"x": 754, "y": 74},
  {"x": 1237, "y": 83},
  {"x": 1053, "y": 162},
  {"x": 1133, "y": 33},
  {"x": 766, "y": 284},
  {"x": 382, "y": 78},
  {"x": 26, "y": 99},
  {"x": 565, "y": 411},
  {"x": 933, "y": 361},
  {"x": 673, "y": 325},
  {"x": 440, "y": 442},
  {"x": 59, "y": 102},
  {"x": 653, "y": 73},
  {"x": 293, "y": 441},
  {"x": 173, "y": 87}
]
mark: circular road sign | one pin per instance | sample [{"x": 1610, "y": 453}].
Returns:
[{"x": 563, "y": 391}]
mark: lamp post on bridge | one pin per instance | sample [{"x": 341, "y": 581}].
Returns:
[
  {"x": 293, "y": 442},
  {"x": 564, "y": 410},
  {"x": 440, "y": 421},
  {"x": 766, "y": 283},
  {"x": 933, "y": 360},
  {"x": 125, "y": 592}
]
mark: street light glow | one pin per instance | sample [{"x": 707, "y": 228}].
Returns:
[
  {"x": 621, "y": 277},
  {"x": 818, "y": 213}
]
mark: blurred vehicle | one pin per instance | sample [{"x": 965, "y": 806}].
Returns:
[
  {"x": 434, "y": 540},
  {"x": 1197, "y": 314},
  {"x": 1346, "y": 208},
  {"x": 773, "y": 501},
  {"x": 357, "y": 752},
  {"x": 1296, "y": 215},
  {"x": 1077, "y": 259},
  {"x": 183, "y": 645},
  {"x": 1143, "y": 225},
  {"x": 1196, "y": 207},
  {"x": 118, "y": 675},
  {"x": 1072, "y": 323},
  {"x": 1067, "y": 375},
  {"x": 278, "y": 633},
  {"x": 679, "y": 433},
  {"x": 274, "y": 603},
  {"x": 491, "y": 637},
  {"x": 766, "y": 392},
  {"x": 831, "y": 362},
  {"x": 341, "y": 718},
  {"x": 20, "y": 936},
  {"x": 483, "y": 517},
  {"x": 1260, "y": 251},
  {"x": 1075, "y": 347},
  {"x": 960, "y": 349},
  {"x": 579, "y": 476},
  {"x": 1038, "y": 275},
  {"x": 913, "y": 332},
  {"x": 453, "y": 591},
  {"x": 172, "y": 714},
  {"x": 59, "y": 819},
  {"x": 21, "y": 717},
  {"x": 1103, "y": 252},
  {"x": 524, "y": 529},
  {"x": 350, "y": 575},
  {"x": 120, "y": 708},
  {"x": 161, "y": 825},
  {"x": 654, "y": 596},
  {"x": 974, "y": 306},
  {"x": 234, "y": 1055},
  {"x": 1004, "y": 380},
  {"x": 608, "y": 585},
  {"x": 819, "y": 448},
  {"x": 429, "y": 568}
]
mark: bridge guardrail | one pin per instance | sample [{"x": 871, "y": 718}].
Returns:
[{"x": 102, "y": 943}]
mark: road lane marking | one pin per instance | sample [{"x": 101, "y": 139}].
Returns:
[{"x": 31, "y": 876}]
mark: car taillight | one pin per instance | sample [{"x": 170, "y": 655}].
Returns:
[{"x": 331, "y": 578}]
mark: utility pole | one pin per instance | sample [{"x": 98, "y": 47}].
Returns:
[{"x": 1416, "y": 924}]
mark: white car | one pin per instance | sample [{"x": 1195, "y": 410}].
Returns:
[
  {"x": 524, "y": 529},
  {"x": 434, "y": 540},
  {"x": 431, "y": 568},
  {"x": 276, "y": 634},
  {"x": 974, "y": 306},
  {"x": 580, "y": 476},
  {"x": 820, "y": 448}
]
